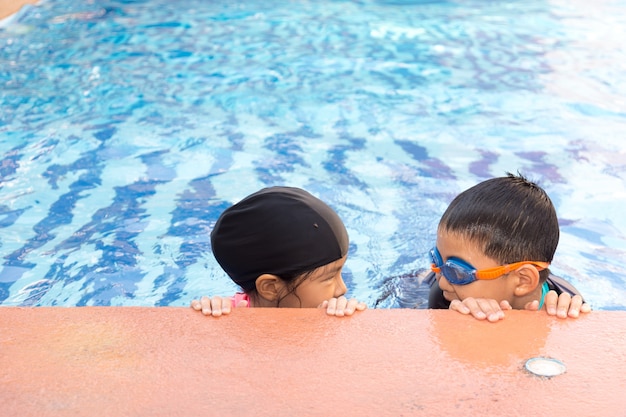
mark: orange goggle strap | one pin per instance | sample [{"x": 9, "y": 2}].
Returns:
[
  {"x": 493, "y": 273},
  {"x": 498, "y": 271}
]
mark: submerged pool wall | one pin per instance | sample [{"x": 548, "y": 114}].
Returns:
[{"x": 132, "y": 361}]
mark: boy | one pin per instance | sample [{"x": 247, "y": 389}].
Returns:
[{"x": 495, "y": 242}]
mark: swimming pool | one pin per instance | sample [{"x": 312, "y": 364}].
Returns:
[{"x": 126, "y": 127}]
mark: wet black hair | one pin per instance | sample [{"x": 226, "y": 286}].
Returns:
[
  {"x": 511, "y": 218},
  {"x": 283, "y": 231}
]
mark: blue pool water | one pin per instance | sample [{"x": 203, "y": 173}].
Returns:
[{"x": 126, "y": 127}]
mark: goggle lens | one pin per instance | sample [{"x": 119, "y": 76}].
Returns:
[{"x": 458, "y": 273}]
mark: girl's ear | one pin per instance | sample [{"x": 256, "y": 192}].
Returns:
[
  {"x": 527, "y": 280},
  {"x": 269, "y": 287}
]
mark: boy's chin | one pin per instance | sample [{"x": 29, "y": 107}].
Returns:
[{"x": 450, "y": 296}]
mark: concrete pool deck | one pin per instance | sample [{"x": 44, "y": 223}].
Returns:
[{"x": 166, "y": 361}]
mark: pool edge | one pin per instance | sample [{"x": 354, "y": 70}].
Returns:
[{"x": 173, "y": 361}]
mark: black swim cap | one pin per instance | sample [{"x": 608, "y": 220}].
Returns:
[{"x": 279, "y": 231}]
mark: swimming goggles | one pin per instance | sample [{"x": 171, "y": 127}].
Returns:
[{"x": 459, "y": 272}]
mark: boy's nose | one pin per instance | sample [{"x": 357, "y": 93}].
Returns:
[{"x": 444, "y": 284}]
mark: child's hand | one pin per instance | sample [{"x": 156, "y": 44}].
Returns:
[
  {"x": 215, "y": 306},
  {"x": 481, "y": 308},
  {"x": 342, "y": 306},
  {"x": 562, "y": 306}
]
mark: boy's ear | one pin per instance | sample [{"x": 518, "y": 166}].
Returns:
[
  {"x": 527, "y": 280},
  {"x": 269, "y": 286}
]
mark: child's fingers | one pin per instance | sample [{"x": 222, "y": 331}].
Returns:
[
  {"x": 226, "y": 304},
  {"x": 550, "y": 301},
  {"x": 458, "y": 305},
  {"x": 480, "y": 308},
  {"x": 563, "y": 305},
  {"x": 217, "y": 306},
  {"x": 575, "y": 306},
  {"x": 342, "y": 306},
  {"x": 532, "y": 306},
  {"x": 331, "y": 307},
  {"x": 205, "y": 305},
  {"x": 491, "y": 308},
  {"x": 195, "y": 304},
  {"x": 354, "y": 305}
]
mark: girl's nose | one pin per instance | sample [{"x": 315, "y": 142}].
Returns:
[{"x": 341, "y": 287}]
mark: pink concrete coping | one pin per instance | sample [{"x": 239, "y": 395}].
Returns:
[{"x": 132, "y": 361}]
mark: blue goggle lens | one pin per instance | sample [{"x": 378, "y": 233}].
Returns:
[{"x": 456, "y": 271}]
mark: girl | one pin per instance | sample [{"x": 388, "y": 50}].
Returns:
[{"x": 284, "y": 248}]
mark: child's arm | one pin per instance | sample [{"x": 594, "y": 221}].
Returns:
[
  {"x": 342, "y": 306},
  {"x": 216, "y": 306}
]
